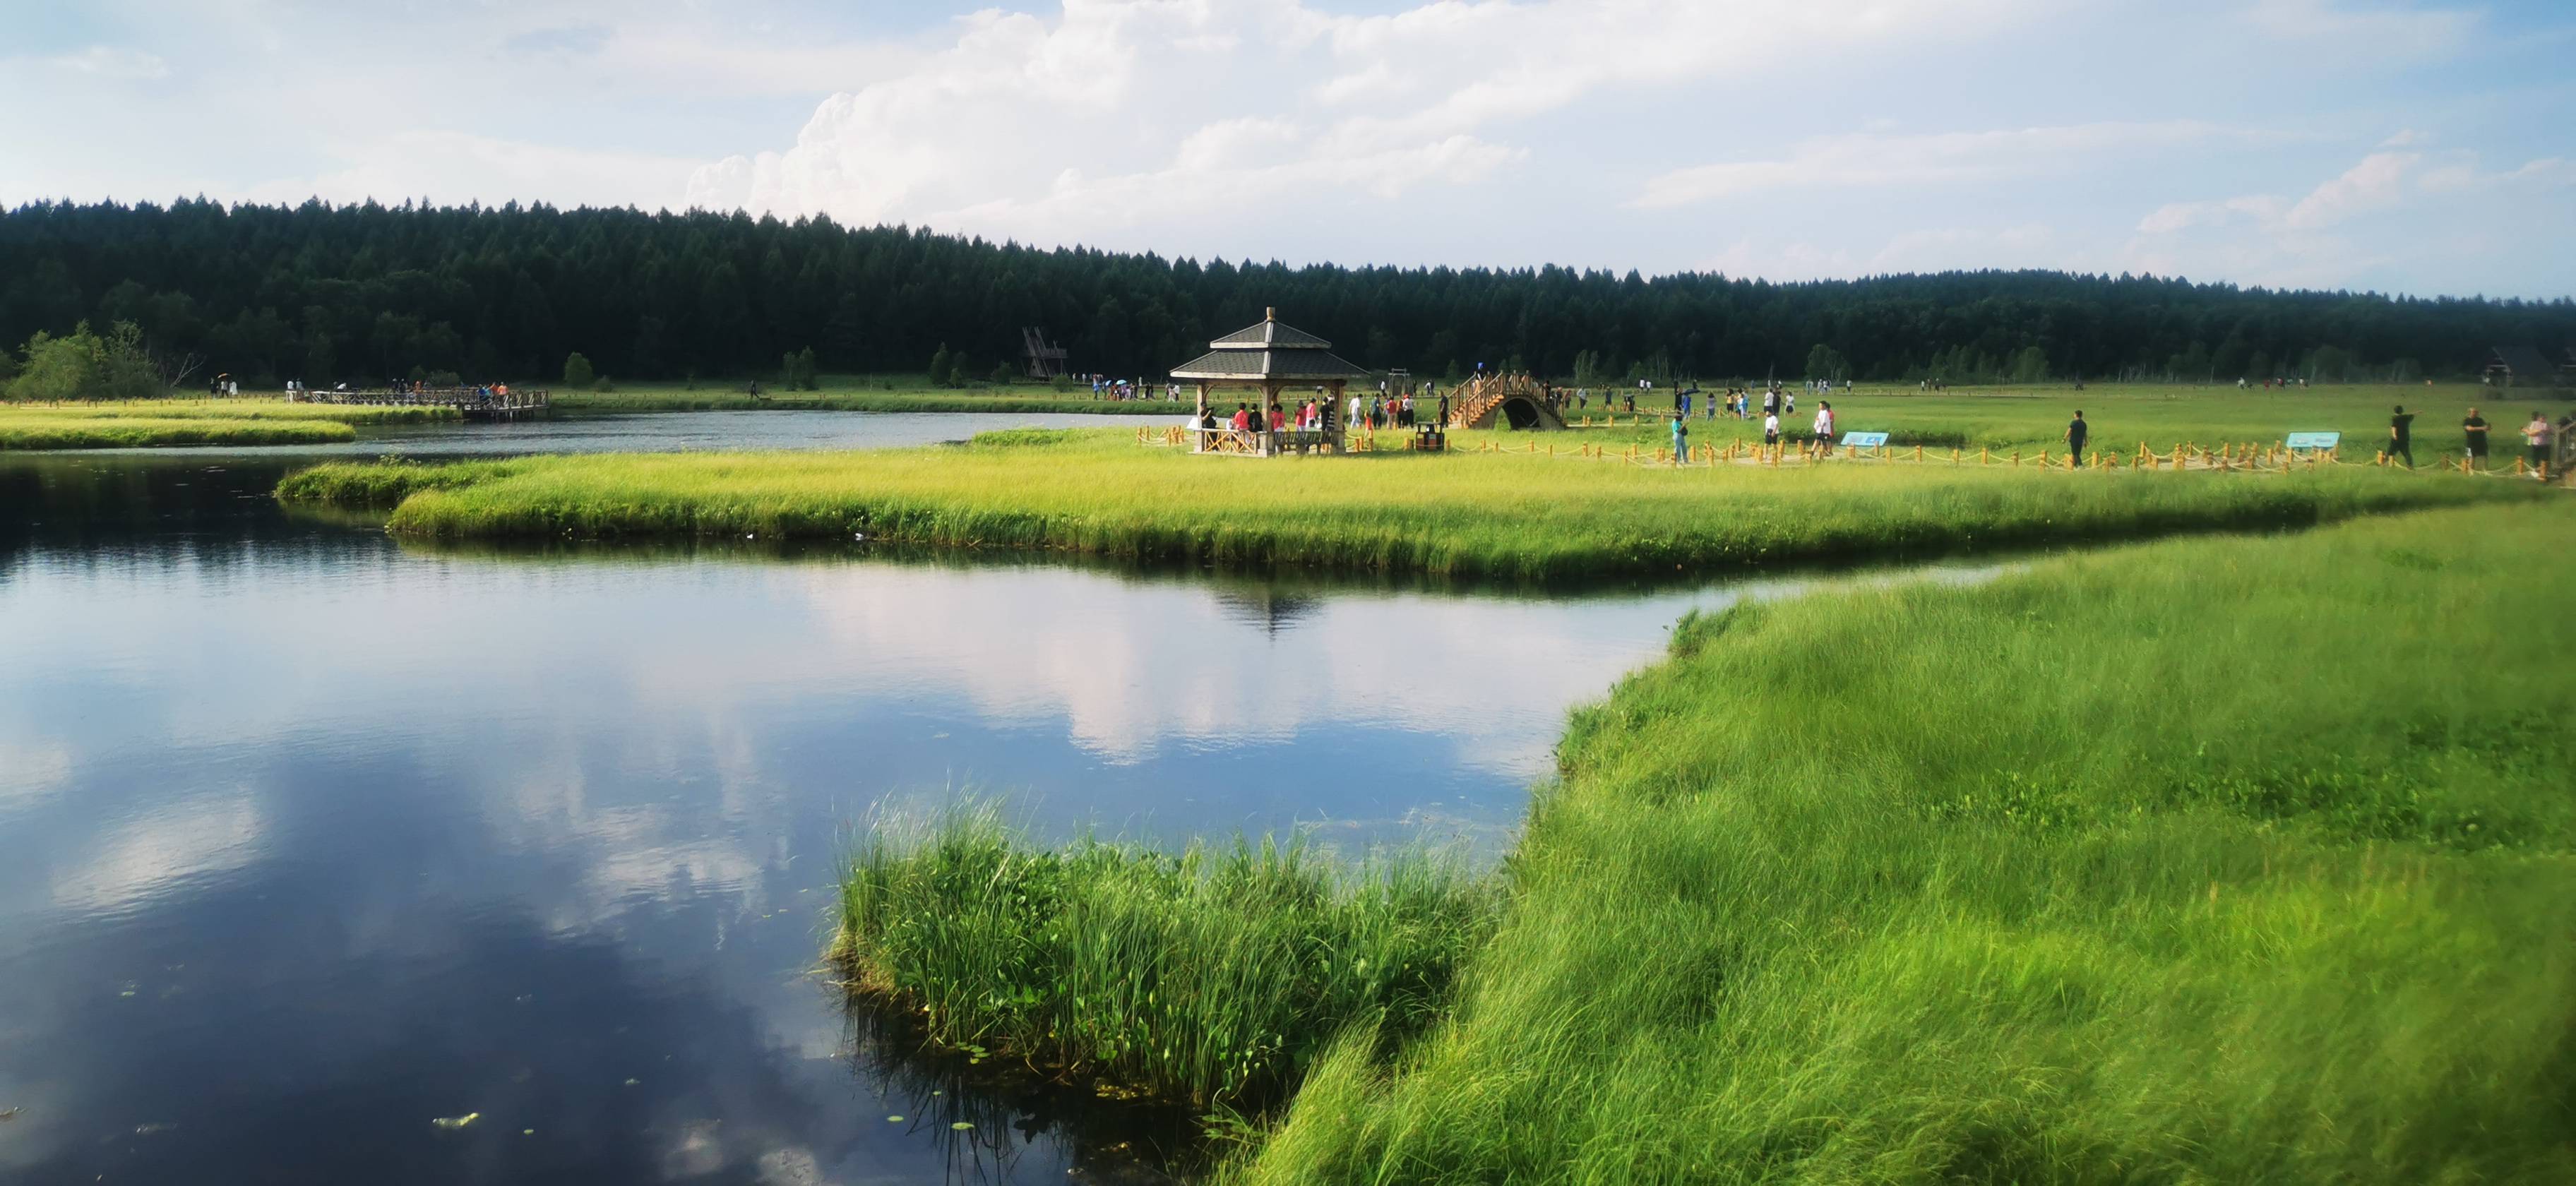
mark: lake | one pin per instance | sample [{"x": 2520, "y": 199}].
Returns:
[{"x": 311, "y": 839}]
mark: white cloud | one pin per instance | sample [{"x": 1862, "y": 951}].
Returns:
[
  {"x": 1116, "y": 115},
  {"x": 110, "y": 61},
  {"x": 2376, "y": 182},
  {"x": 457, "y": 167},
  {"x": 1879, "y": 159}
]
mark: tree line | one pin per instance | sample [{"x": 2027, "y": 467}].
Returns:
[{"x": 365, "y": 293}]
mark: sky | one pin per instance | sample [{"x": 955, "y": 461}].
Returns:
[{"x": 2424, "y": 148}]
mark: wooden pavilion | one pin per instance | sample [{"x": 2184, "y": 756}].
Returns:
[
  {"x": 2520, "y": 366},
  {"x": 1271, "y": 357}
]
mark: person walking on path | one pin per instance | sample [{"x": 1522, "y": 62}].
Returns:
[
  {"x": 2536, "y": 436},
  {"x": 2076, "y": 431},
  {"x": 1770, "y": 428},
  {"x": 2475, "y": 428},
  {"x": 1681, "y": 436},
  {"x": 1825, "y": 427},
  {"x": 2401, "y": 436}
]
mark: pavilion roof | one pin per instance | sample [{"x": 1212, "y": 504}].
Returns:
[
  {"x": 1269, "y": 364},
  {"x": 1271, "y": 349},
  {"x": 2523, "y": 360}
]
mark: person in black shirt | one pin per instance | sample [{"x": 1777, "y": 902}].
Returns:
[
  {"x": 2476, "y": 428},
  {"x": 2401, "y": 441},
  {"x": 2075, "y": 434}
]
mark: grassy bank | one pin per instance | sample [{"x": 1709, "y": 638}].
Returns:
[
  {"x": 1516, "y": 516},
  {"x": 1215, "y": 976},
  {"x": 852, "y": 393},
  {"x": 2234, "y": 860},
  {"x": 138, "y": 423}
]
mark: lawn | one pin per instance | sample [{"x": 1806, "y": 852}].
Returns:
[
  {"x": 1517, "y": 516},
  {"x": 2123, "y": 415}
]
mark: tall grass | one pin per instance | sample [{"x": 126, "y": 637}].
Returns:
[
  {"x": 1215, "y": 976},
  {"x": 1482, "y": 515},
  {"x": 2231, "y": 860}
]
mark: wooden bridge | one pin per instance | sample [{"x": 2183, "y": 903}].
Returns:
[
  {"x": 473, "y": 403},
  {"x": 1503, "y": 401}
]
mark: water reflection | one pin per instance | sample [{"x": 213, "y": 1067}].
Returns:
[{"x": 308, "y": 839}]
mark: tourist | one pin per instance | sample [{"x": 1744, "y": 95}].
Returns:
[
  {"x": 1825, "y": 426},
  {"x": 1770, "y": 428},
  {"x": 1354, "y": 418},
  {"x": 1770, "y": 402},
  {"x": 2401, "y": 427},
  {"x": 1443, "y": 421},
  {"x": 2536, "y": 436},
  {"x": 1242, "y": 421},
  {"x": 1681, "y": 437},
  {"x": 1278, "y": 417},
  {"x": 2475, "y": 429},
  {"x": 1408, "y": 409},
  {"x": 2076, "y": 431}
]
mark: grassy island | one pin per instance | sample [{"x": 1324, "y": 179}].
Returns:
[
  {"x": 124, "y": 424},
  {"x": 2238, "y": 859},
  {"x": 1517, "y": 516}
]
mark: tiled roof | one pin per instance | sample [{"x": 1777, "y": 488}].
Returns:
[
  {"x": 1294, "y": 365},
  {"x": 1270, "y": 333},
  {"x": 2524, "y": 361}
]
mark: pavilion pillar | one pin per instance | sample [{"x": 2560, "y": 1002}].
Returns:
[{"x": 1342, "y": 421}]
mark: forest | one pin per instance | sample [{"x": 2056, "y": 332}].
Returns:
[{"x": 365, "y": 293}]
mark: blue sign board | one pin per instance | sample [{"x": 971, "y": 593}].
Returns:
[
  {"x": 2327, "y": 441},
  {"x": 1865, "y": 440}
]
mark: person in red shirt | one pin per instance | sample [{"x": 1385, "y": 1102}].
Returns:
[
  {"x": 1242, "y": 419},
  {"x": 1278, "y": 418}
]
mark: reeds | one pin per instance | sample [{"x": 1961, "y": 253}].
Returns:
[{"x": 1216, "y": 975}]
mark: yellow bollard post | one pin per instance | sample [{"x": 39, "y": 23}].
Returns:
[
  {"x": 1918, "y": 450},
  {"x": 1954, "y": 455},
  {"x": 1985, "y": 455}
]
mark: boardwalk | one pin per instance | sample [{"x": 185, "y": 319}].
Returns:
[{"x": 472, "y": 403}]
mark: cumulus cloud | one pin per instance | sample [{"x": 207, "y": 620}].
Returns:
[
  {"x": 1882, "y": 159},
  {"x": 1112, "y": 114}
]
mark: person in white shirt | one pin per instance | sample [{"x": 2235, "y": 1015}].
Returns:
[
  {"x": 1825, "y": 425},
  {"x": 1770, "y": 428}
]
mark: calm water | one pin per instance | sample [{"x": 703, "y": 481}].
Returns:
[{"x": 309, "y": 839}]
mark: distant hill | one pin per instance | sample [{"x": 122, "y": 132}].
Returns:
[{"x": 323, "y": 293}]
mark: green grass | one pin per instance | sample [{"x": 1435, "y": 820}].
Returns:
[
  {"x": 1215, "y": 976},
  {"x": 136, "y": 423},
  {"x": 900, "y": 393},
  {"x": 2228, "y": 860},
  {"x": 1518, "y": 517},
  {"x": 2123, "y": 415}
]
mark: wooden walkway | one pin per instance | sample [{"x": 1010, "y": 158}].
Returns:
[{"x": 469, "y": 402}]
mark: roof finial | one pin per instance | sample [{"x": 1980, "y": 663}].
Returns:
[{"x": 1269, "y": 313}]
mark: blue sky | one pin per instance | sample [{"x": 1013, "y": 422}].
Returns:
[{"x": 2420, "y": 148}]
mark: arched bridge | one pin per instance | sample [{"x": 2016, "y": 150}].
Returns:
[{"x": 1504, "y": 401}]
